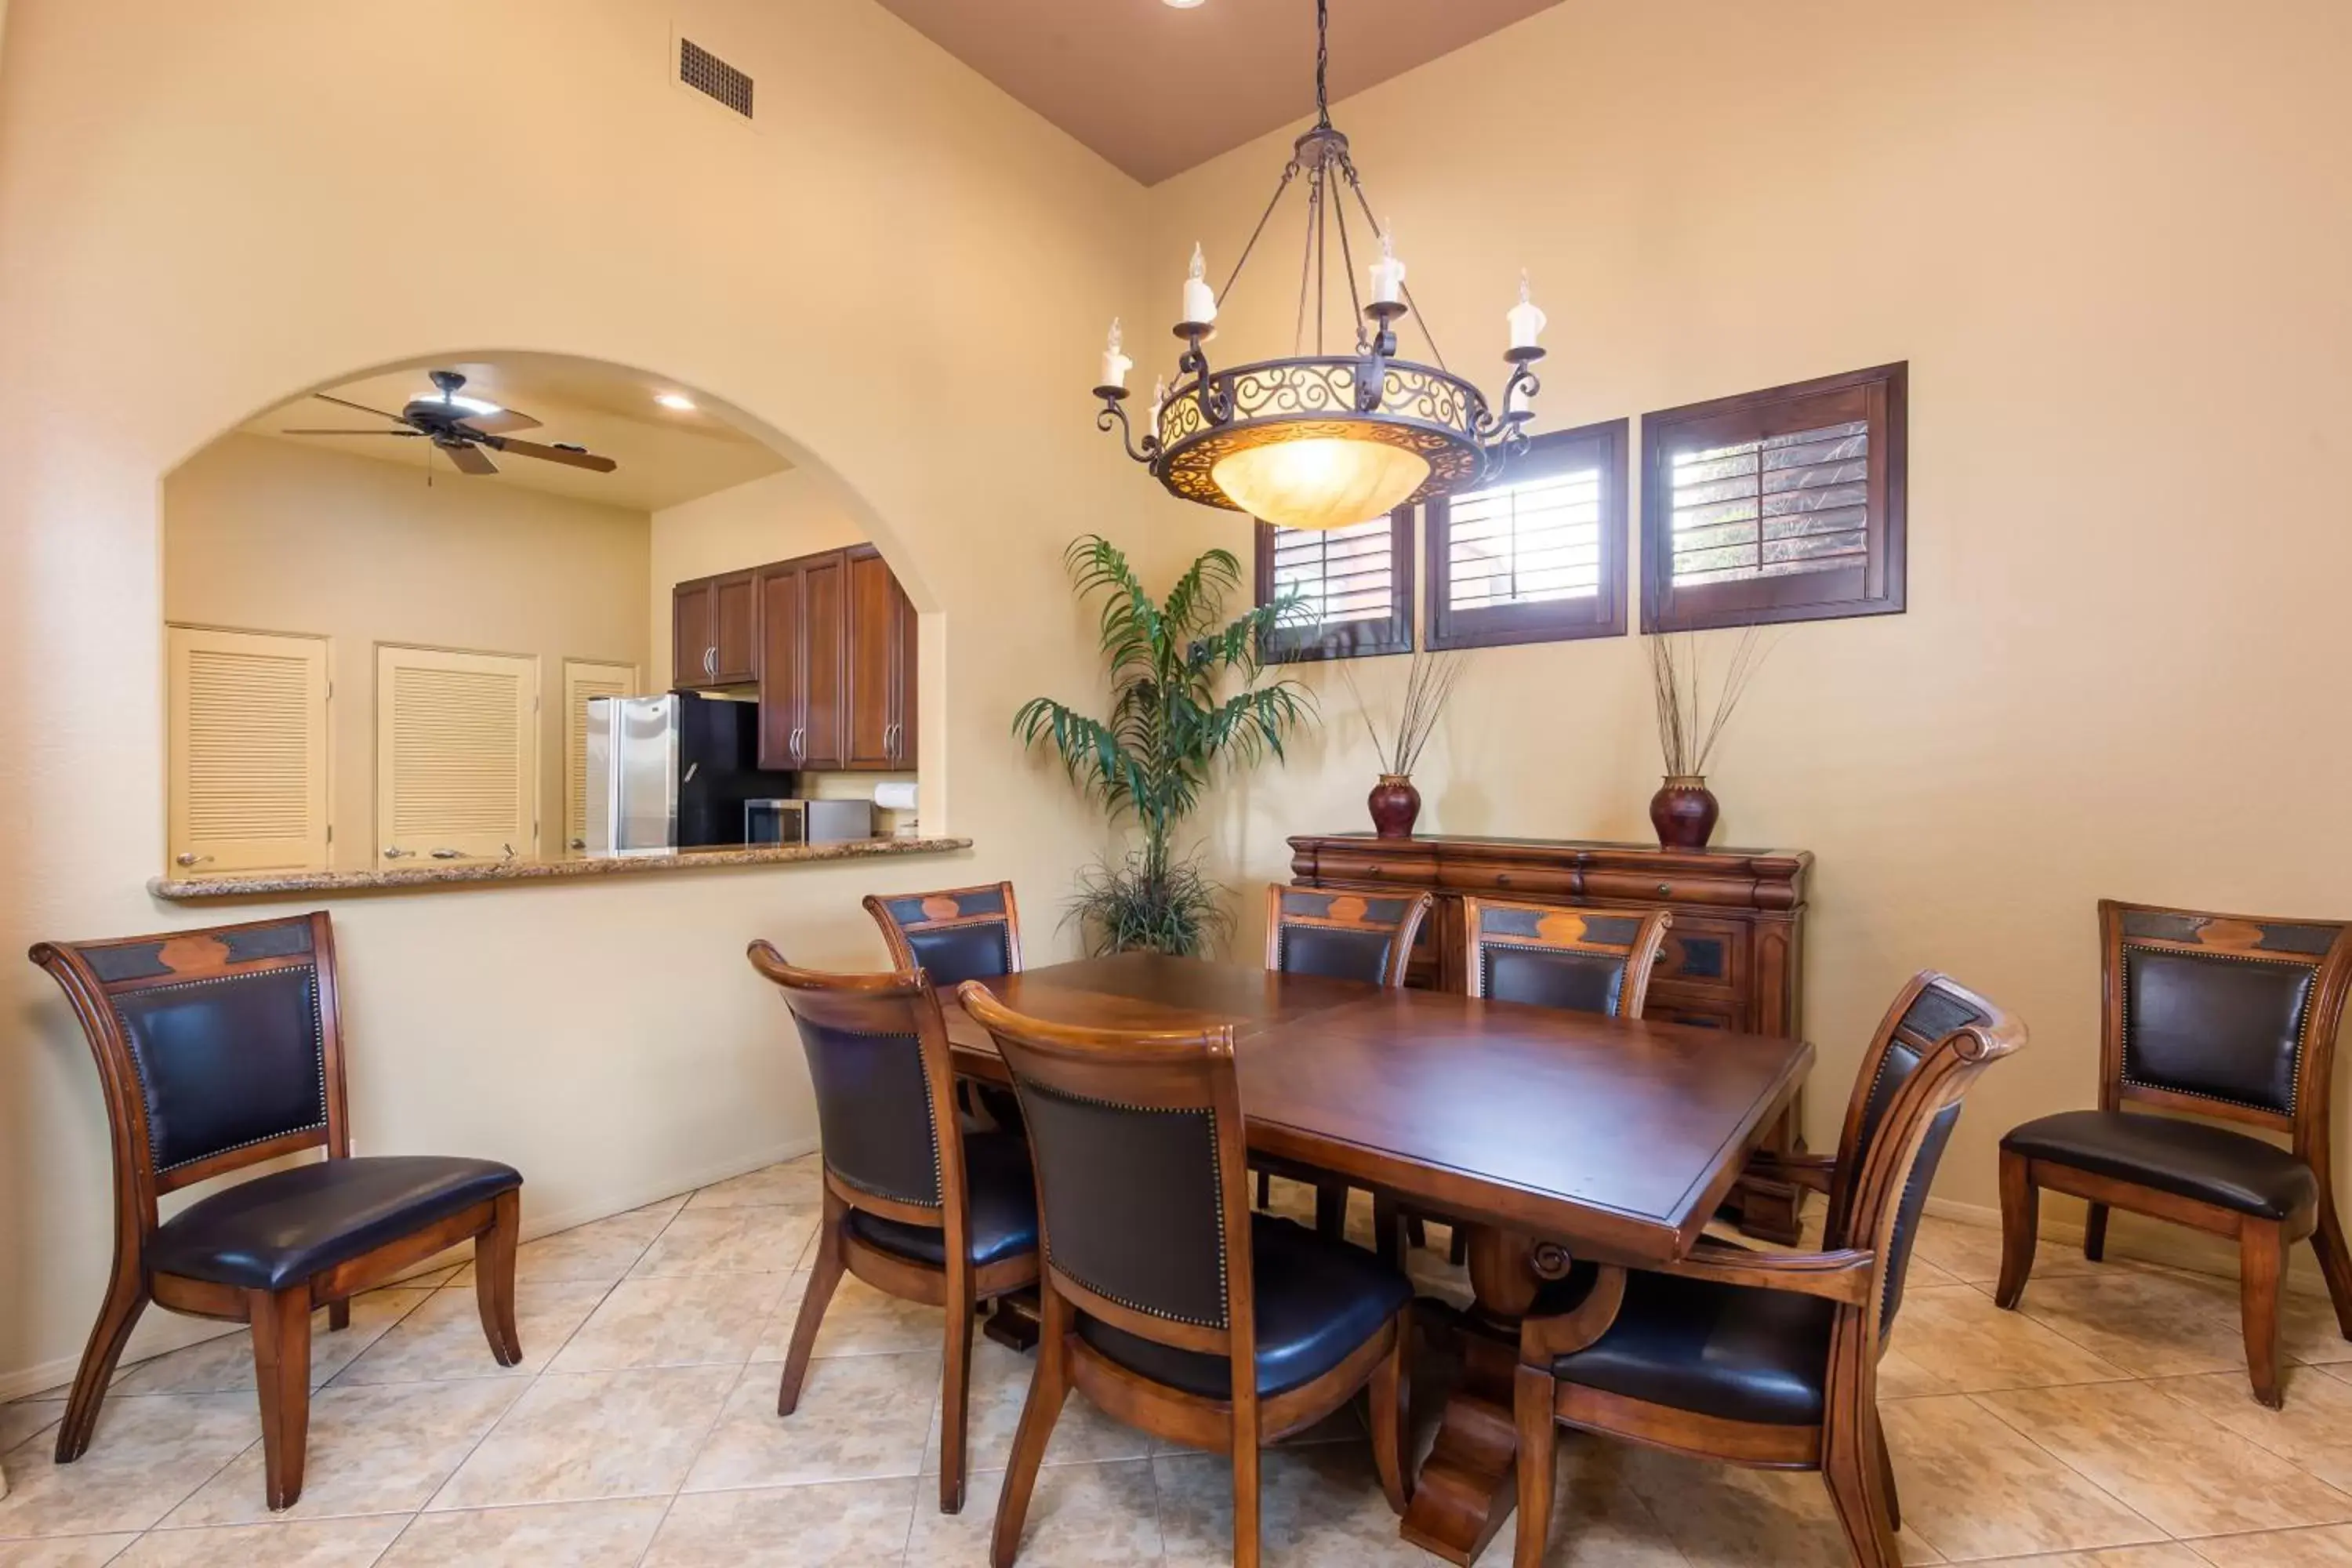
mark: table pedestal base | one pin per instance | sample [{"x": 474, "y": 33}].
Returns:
[{"x": 1468, "y": 1485}]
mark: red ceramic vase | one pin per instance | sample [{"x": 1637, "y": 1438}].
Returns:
[
  {"x": 1684, "y": 811},
  {"x": 1395, "y": 804}
]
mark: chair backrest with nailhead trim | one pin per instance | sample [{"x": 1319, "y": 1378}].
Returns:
[
  {"x": 217, "y": 1048},
  {"x": 1589, "y": 961},
  {"x": 1342, "y": 935},
  {"x": 2227, "y": 1015},
  {"x": 1142, "y": 1192},
  {"x": 958, "y": 934}
]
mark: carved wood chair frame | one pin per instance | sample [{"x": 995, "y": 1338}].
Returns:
[
  {"x": 2262, "y": 1243},
  {"x": 897, "y": 1004},
  {"x": 280, "y": 1320},
  {"x": 1194, "y": 1072},
  {"x": 1867, "y": 1195}
]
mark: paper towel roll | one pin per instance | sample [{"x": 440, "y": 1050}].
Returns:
[{"x": 894, "y": 796}]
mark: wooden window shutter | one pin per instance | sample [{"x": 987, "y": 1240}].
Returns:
[
  {"x": 456, "y": 754},
  {"x": 1785, "y": 505},
  {"x": 1354, "y": 585},
  {"x": 247, "y": 736},
  {"x": 1539, "y": 555},
  {"x": 584, "y": 680}
]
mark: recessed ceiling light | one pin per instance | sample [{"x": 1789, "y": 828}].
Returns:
[
  {"x": 677, "y": 400},
  {"x": 1179, "y": 5}
]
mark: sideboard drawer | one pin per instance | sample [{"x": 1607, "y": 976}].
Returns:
[
  {"x": 1666, "y": 888},
  {"x": 1542, "y": 883},
  {"x": 1672, "y": 1004}
]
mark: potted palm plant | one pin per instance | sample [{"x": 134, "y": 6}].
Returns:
[{"x": 1168, "y": 727}]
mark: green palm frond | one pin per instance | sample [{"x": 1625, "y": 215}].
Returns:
[{"x": 1155, "y": 754}]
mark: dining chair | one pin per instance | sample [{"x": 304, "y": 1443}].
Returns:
[
  {"x": 1592, "y": 961},
  {"x": 218, "y": 1049},
  {"x": 1551, "y": 955},
  {"x": 952, "y": 936},
  {"x": 915, "y": 1206},
  {"x": 1770, "y": 1360},
  {"x": 1165, "y": 1300},
  {"x": 2232, "y": 1017},
  {"x": 1340, "y": 936}
]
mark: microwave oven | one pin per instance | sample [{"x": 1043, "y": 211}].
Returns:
[{"x": 807, "y": 821}]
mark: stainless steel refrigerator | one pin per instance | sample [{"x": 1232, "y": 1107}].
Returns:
[{"x": 672, "y": 772}]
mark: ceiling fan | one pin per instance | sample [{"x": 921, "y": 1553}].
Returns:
[{"x": 459, "y": 429}]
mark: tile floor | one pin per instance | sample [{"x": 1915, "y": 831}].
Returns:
[{"x": 2108, "y": 1426}]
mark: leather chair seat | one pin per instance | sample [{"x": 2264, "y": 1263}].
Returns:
[
  {"x": 1728, "y": 1350},
  {"x": 1318, "y": 1302},
  {"x": 1003, "y": 1209},
  {"x": 2187, "y": 1159},
  {"x": 278, "y": 1230}
]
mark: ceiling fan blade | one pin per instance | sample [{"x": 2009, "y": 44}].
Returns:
[
  {"x": 410, "y": 434},
  {"x": 347, "y": 403},
  {"x": 501, "y": 423},
  {"x": 468, "y": 458},
  {"x": 554, "y": 454}
]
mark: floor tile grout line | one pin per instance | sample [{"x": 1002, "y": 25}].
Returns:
[
  {"x": 2064, "y": 1463},
  {"x": 2279, "y": 1454}
]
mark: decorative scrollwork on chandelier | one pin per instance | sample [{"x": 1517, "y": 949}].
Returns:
[{"x": 1362, "y": 408}]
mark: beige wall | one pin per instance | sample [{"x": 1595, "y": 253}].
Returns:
[
  {"x": 225, "y": 229},
  {"x": 261, "y": 535},
  {"x": 2111, "y": 241}
]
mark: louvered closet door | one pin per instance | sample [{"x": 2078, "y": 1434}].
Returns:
[
  {"x": 584, "y": 680},
  {"x": 247, "y": 732},
  {"x": 457, "y": 750}
]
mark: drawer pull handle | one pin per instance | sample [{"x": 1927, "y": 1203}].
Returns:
[
  {"x": 1666, "y": 889},
  {"x": 1501, "y": 878}
]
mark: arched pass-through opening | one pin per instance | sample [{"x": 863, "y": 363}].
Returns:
[{"x": 362, "y": 564}]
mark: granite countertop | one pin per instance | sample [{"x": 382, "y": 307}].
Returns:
[{"x": 472, "y": 873}]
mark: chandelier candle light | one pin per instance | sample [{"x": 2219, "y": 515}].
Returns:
[{"x": 1323, "y": 440}]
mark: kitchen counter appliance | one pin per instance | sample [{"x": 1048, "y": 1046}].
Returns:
[{"x": 672, "y": 772}]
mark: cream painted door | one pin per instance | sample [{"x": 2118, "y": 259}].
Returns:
[
  {"x": 583, "y": 680},
  {"x": 248, "y": 737},
  {"x": 456, "y": 755}
]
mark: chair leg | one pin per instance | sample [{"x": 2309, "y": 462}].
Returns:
[
  {"x": 2334, "y": 1262},
  {"x": 1265, "y": 1191},
  {"x": 1886, "y": 1480},
  {"x": 1048, "y": 1387},
  {"x": 1416, "y": 1233},
  {"x": 1246, "y": 1457},
  {"x": 2020, "y": 1221},
  {"x": 282, "y": 1370},
  {"x": 339, "y": 1314},
  {"x": 2261, "y": 1262},
  {"x": 1532, "y": 1393},
  {"x": 1331, "y": 1211},
  {"x": 955, "y": 1391},
  {"x": 1392, "y": 1417},
  {"x": 1854, "y": 1493},
  {"x": 1388, "y": 1231},
  {"x": 2095, "y": 1233},
  {"x": 823, "y": 1274},
  {"x": 126, "y": 1298},
  {"x": 494, "y": 1279},
  {"x": 1457, "y": 1250}
]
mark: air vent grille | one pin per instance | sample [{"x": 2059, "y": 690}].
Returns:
[{"x": 705, "y": 73}]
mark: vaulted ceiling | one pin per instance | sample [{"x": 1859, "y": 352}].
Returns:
[{"x": 1156, "y": 89}]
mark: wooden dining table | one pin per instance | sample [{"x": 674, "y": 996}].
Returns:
[{"x": 1553, "y": 1137}]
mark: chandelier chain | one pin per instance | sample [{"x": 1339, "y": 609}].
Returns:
[{"x": 1322, "y": 64}]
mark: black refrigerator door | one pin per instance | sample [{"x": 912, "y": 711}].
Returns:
[{"x": 717, "y": 756}]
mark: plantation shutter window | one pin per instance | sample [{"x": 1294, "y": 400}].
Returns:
[
  {"x": 247, "y": 741},
  {"x": 1540, "y": 555},
  {"x": 1785, "y": 505},
  {"x": 456, "y": 755},
  {"x": 1354, "y": 586},
  {"x": 584, "y": 680}
]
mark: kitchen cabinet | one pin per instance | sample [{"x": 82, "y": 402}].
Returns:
[
  {"x": 714, "y": 631},
  {"x": 880, "y": 684},
  {"x": 836, "y": 664}
]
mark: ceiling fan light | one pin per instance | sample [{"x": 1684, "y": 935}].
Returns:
[
  {"x": 479, "y": 407},
  {"x": 677, "y": 402},
  {"x": 1320, "y": 481}
]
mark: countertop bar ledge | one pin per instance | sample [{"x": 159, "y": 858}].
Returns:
[{"x": 477, "y": 873}]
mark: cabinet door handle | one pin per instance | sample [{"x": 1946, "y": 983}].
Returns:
[
  {"x": 190, "y": 857},
  {"x": 394, "y": 852},
  {"x": 710, "y": 661},
  {"x": 798, "y": 731},
  {"x": 449, "y": 854}
]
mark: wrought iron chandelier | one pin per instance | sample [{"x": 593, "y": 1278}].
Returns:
[{"x": 1323, "y": 440}]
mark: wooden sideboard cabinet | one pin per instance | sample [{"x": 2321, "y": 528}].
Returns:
[{"x": 1733, "y": 959}]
